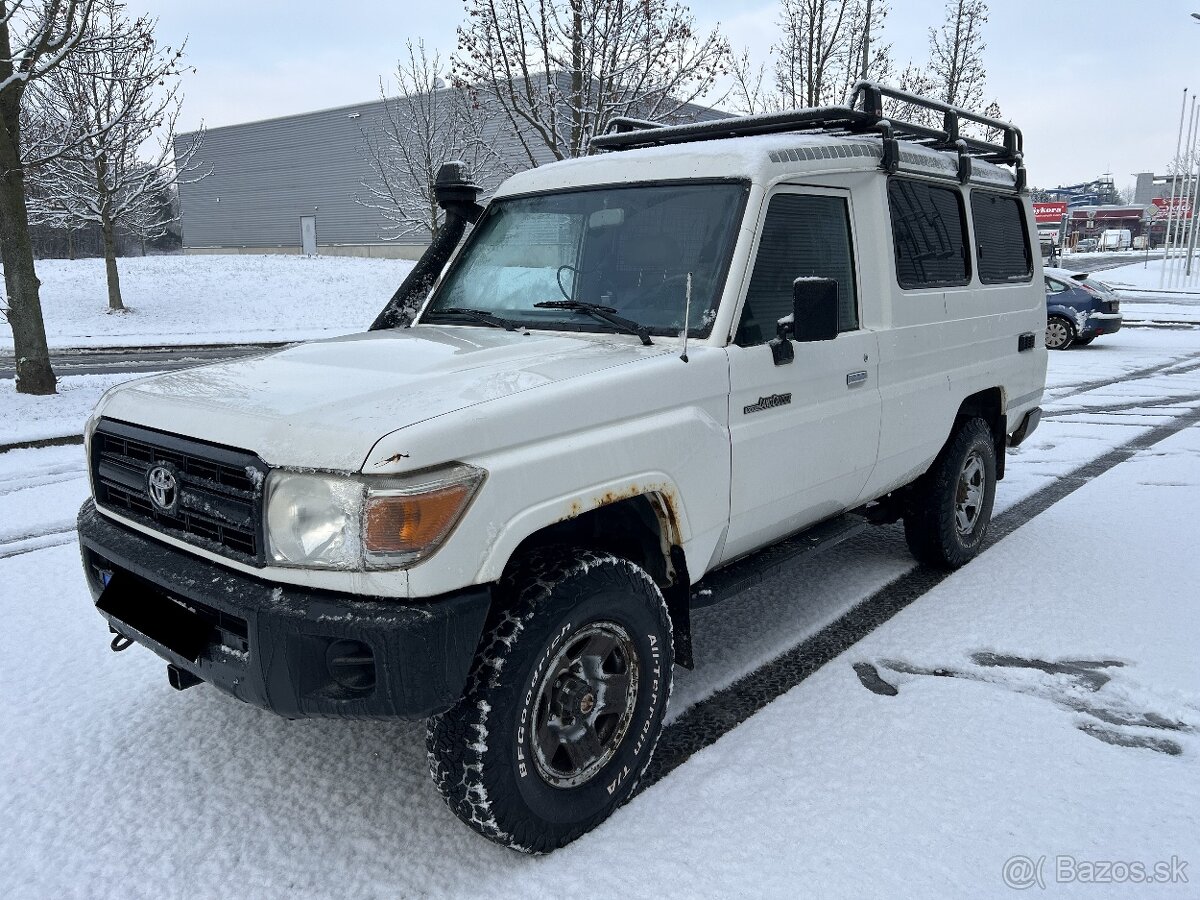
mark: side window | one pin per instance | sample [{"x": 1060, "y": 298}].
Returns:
[
  {"x": 929, "y": 230},
  {"x": 1054, "y": 287},
  {"x": 804, "y": 235},
  {"x": 1001, "y": 241}
]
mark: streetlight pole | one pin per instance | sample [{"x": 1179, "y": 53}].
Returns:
[{"x": 1174, "y": 191}]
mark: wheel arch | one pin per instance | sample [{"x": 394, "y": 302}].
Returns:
[
  {"x": 988, "y": 405},
  {"x": 645, "y": 528}
]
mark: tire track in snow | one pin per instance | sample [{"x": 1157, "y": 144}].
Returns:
[
  {"x": 1182, "y": 365},
  {"x": 43, "y": 540},
  {"x": 708, "y": 720}
]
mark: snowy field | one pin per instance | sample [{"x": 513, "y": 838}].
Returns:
[
  {"x": 187, "y": 300},
  {"x": 972, "y": 743}
]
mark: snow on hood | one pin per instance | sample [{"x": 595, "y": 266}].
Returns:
[{"x": 325, "y": 404}]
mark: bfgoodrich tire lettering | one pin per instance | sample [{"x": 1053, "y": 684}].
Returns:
[
  {"x": 949, "y": 508},
  {"x": 483, "y": 751}
]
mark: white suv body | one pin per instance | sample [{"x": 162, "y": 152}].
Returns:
[{"x": 550, "y": 461}]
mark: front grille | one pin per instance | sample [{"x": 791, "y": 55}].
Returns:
[{"x": 219, "y": 503}]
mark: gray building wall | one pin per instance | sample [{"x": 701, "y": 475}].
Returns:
[{"x": 265, "y": 176}]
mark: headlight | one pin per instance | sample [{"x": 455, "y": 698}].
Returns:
[{"x": 336, "y": 522}]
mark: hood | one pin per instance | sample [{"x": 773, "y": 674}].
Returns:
[{"x": 325, "y": 404}]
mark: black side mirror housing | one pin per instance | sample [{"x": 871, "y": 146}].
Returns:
[
  {"x": 814, "y": 317},
  {"x": 782, "y": 351},
  {"x": 815, "y": 309}
]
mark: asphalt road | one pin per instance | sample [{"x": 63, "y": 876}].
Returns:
[{"x": 131, "y": 360}]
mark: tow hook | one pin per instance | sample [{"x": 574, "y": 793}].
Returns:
[
  {"x": 182, "y": 679},
  {"x": 120, "y": 642}
]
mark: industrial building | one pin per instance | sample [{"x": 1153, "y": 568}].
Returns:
[{"x": 296, "y": 184}]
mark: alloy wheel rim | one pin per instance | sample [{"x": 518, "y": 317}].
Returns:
[
  {"x": 968, "y": 499},
  {"x": 1056, "y": 335},
  {"x": 585, "y": 704}
]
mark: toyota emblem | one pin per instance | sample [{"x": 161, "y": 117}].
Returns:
[{"x": 163, "y": 488}]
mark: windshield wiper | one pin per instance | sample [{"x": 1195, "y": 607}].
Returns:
[
  {"x": 479, "y": 316},
  {"x": 604, "y": 313}
]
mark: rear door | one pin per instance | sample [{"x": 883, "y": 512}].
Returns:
[{"x": 804, "y": 434}]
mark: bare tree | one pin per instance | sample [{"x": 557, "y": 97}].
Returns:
[
  {"x": 814, "y": 45},
  {"x": 955, "y": 72},
  {"x": 867, "y": 56},
  {"x": 126, "y": 77},
  {"x": 425, "y": 125},
  {"x": 561, "y": 70},
  {"x": 825, "y": 46},
  {"x": 751, "y": 92},
  {"x": 36, "y": 36}
]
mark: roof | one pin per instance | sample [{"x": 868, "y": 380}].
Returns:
[{"x": 759, "y": 158}]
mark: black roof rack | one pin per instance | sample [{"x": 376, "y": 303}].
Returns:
[{"x": 864, "y": 115}]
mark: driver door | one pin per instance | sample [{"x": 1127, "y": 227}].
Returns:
[{"x": 804, "y": 434}]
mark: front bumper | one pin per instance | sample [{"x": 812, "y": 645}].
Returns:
[{"x": 299, "y": 652}]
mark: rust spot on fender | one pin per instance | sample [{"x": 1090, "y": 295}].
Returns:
[
  {"x": 394, "y": 458},
  {"x": 661, "y": 496}
]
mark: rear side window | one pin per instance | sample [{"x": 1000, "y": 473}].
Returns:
[
  {"x": 804, "y": 235},
  {"x": 930, "y": 234},
  {"x": 1001, "y": 242}
]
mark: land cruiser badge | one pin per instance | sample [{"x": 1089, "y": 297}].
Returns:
[
  {"x": 768, "y": 403},
  {"x": 163, "y": 488}
]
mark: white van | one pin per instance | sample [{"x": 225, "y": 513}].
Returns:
[
  {"x": 649, "y": 378},
  {"x": 1115, "y": 239}
]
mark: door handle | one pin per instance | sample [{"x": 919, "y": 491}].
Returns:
[{"x": 854, "y": 379}]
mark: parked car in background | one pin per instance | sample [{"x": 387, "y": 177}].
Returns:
[
  {"x": 1086, "y": 245},
  {"x": 1078, "y": 309}
]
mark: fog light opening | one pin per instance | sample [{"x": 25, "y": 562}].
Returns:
[{"x": 351, "y": 665}]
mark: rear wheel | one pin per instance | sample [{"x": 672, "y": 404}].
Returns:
[
  {"x": 1060, "y": 333},
  {"x": 564, "y": 705},
  {"x": 949, "y": 508},
  {"x": 1083, "y": 341}
]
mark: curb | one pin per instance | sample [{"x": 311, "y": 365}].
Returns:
[{"x": 67, "y": 440}]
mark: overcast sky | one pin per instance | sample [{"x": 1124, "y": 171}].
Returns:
[{"x": 1095, "y": 86}]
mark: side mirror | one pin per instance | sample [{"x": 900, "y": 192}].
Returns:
[
  {"x": 815, "y": 309},
  {"x": 781, "y": 348}
]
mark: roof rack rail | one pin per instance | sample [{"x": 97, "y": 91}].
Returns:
[{"x": 864, "y": 115}]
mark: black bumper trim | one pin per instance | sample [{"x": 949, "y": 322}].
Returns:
[{"x": 282, "y": 647}]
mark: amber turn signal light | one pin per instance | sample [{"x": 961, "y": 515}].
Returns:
[{"x": 413, "y": 523}]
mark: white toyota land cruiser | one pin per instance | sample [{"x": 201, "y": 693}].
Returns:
[{"x": 641, "y": 370}]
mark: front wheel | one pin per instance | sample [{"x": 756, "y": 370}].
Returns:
[
  {"x": 564, "y": 704},
  {"x": 949, "y": 508}
]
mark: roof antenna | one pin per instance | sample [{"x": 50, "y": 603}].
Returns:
[{"x": 687, "y": 315}]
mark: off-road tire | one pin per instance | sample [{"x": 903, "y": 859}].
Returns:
[
  {"x": 482, "y": 750},
  {"x": 1060, "y": 333},
  {"x": 937, "y": 499}
]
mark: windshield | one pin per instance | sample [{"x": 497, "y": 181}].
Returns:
[{"x": 629, "y": 249}]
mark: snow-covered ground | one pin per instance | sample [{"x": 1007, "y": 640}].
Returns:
[
  {"x": 1157, "y": 291},
  {"x": 115, "y": 785},
  {"x": 217, "y": 299},
  {"x": 28, "y": 418}
]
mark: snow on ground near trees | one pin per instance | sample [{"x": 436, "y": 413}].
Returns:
[
  {"x": 181, "y": 300},
  {"x": 31, "y": 418}
]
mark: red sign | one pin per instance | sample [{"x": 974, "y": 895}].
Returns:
[
  {"x": 1049, "y": 213},
  {"x": 1177, "y": 208}
]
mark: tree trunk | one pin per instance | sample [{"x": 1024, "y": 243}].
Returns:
[
  {"x": 24, "y": 305},
  {"x": 110, "y": 266},
  {"x": 70, "y": 243}
]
